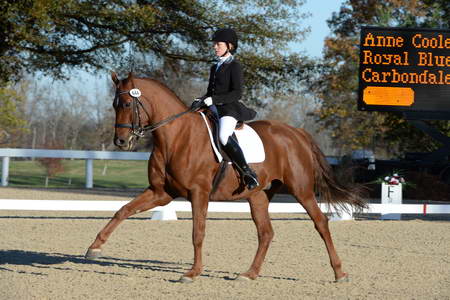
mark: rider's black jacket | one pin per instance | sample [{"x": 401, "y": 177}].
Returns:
[{"x": 225, "y": 89}]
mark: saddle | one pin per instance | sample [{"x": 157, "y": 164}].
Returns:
[{"x": 251, "y": 144}]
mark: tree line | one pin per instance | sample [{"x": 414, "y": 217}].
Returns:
[{"x": 169, "y": 40}]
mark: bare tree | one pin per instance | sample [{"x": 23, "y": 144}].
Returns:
[
  {"x": 65, "y": 115},
  {"x": 52, "y": 165}
]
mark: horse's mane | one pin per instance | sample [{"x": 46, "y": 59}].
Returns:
[
  {"x": 159, "y": 84},
  {"x": 164, "y": 87}
]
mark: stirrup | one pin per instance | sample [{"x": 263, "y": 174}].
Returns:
[{"x": 250, "y": 181}]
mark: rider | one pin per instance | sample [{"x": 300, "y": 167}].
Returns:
[{"x": 223, "y": 95}]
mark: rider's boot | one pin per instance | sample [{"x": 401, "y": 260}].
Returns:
[{"x": 234, "y": 151}]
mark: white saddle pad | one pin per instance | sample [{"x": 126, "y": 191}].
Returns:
[{"x": 249, "y": 141}]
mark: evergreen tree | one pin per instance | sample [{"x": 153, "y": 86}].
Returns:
[{"x": 53, "y": 36}]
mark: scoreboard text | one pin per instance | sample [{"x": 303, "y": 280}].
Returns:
[{"x": 404, "y": 69}]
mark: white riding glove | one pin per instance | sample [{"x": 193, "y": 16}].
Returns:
[{"x": 208, "y": 101}]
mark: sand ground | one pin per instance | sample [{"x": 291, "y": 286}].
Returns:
[{"x": 41, "y": 257}]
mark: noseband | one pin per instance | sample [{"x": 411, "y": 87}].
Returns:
[{"x": 136, "y": 125}]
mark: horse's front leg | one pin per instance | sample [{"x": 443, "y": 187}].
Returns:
[
  {"x": 145, "y": 201},
  {"x": 199, "y": 202}
]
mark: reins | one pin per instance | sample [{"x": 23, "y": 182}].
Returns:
[
  {"x": 165, "y": 121},
  {"x": 136, "y": 128}
]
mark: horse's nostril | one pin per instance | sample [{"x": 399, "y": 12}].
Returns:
[{"x": 119, "y": 142}]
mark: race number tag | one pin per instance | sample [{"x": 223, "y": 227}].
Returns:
[{"x": 135, "y": 93}]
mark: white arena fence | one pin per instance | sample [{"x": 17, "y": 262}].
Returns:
[
  {"x": 89, "y": 156},
  {"x": 168, "y": 212}
]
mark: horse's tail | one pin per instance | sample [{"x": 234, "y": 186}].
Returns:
[{"x": 333, "y": 190}]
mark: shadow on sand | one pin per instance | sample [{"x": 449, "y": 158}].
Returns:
[{"x": 42, "y": 261}]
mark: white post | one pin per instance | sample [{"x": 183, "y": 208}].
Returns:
[
  {"x": 391, "y": 194},
  {"x": 89, "y": 173},
  {"x": 5, "y": 170},
  {"x": 345, "y": 215},
  {"x": 164, "y": 213}
]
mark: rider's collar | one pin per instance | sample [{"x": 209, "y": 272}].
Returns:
[{"x": 226, "y": 59}]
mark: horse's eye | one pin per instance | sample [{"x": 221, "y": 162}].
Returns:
[{"x": 128, "y": 104}]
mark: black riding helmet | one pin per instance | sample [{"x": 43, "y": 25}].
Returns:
[{"x": 226, "y": 35}]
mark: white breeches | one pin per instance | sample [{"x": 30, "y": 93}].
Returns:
[{"x": 227, "y": 125}]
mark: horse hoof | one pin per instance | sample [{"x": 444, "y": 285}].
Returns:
[
  {"x": 243, "y": 278},
  {"x": 93, "y": 253},
  {"x": 345, "y": 278},
  {"x": 185, "y": 279}
]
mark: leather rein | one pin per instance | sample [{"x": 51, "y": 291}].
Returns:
[{"x": 136, "y": 125}]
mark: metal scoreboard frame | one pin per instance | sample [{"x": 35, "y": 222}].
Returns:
[{"x": 405, "y": 70}]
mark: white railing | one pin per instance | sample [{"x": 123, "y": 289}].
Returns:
[
  {"x": 181, "y": 205},
  {"x": 89, "y": 156}
]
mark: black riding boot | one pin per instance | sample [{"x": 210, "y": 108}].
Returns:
[{"x": 234, "y": 151}]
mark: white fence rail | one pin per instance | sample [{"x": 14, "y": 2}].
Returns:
[
  {"x": 89, "y": 156},
  {"x": 231, "y": 207}
]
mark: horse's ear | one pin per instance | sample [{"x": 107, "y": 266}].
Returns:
[
  {"x": 114, "y": 78},
  {"x": 130, "y": 75}
]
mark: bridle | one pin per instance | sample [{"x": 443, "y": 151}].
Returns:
[{"x": 136, "y": 125}]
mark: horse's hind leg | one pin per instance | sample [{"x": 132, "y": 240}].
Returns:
[
  {"x": 259, "y": 205},
  {"x": 309, "y": 202},
  {"x": 145, "y": 201}
]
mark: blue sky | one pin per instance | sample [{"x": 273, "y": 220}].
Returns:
[{"x": 321, "y": 11}]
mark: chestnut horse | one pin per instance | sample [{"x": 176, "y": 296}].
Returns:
[{"x": 183, "y": 165}]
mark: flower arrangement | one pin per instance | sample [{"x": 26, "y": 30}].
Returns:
[{"x": 395, "y": 179}]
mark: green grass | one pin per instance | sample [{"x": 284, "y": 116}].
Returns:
[{"x": 119, "y": 174}]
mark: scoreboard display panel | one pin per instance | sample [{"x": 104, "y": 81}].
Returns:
[{"x": 404, "y": 69}]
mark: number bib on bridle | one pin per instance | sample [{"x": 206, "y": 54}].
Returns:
[{"x": 135, "y": 125}]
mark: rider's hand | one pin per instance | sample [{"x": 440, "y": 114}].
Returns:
[{"x": 208, "y": 101}]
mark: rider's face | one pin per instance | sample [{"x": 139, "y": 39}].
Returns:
[{"x": 220, "y": 48}]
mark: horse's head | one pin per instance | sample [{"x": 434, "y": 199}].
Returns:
[
  {"x": 139, "y": 102},
  {"x": 130, "y": 113}
]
